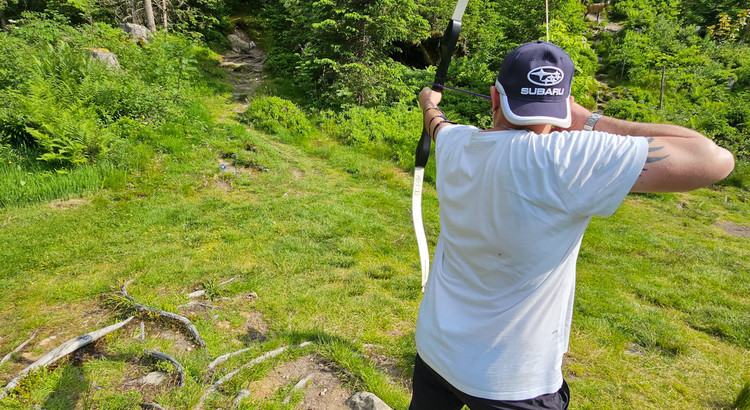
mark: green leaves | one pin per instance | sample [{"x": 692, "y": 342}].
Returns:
[
  {"x": 275, "y": 115},
  {"x": 340, "y": 49}
]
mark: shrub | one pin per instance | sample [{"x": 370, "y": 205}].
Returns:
[
  {"x": 740, "y": 176},
  {"x": 386, "y": 133},
  {"x": 278, "y": 116},
  {"x": 15, "y": 62}
]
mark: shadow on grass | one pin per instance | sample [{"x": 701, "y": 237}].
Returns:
[{"x": 68, "y": 389}]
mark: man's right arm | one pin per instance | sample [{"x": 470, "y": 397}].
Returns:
[{"x": 679, "y": 159}]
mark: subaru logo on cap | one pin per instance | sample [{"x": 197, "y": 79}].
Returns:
[{"x": 545, "y": 76}]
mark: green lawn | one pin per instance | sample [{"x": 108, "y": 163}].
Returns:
[{"x": 324, "y": 238}]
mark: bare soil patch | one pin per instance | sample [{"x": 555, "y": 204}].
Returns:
[
  {"x": 734, "y": 229},
  {"x": 323, "y": 391},
  {"x": 387, "y": 365},
  {"x": 70, "y": 203}
]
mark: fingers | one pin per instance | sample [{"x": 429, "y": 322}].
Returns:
[{"x": 429, "y": 97}]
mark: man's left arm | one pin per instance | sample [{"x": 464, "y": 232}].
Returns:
[{"x": 434, "y": 117}]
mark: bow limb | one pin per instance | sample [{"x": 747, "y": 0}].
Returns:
[{"x": 448, "y": 45}]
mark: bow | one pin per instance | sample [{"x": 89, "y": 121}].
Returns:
[{"x": 447, "y": 46}]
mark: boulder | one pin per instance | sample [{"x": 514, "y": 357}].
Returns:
[
  {"x": 136, "y": 32},
  {"x": 363, "y": 400},
  {"x": 239, "y": 45},
  {"x": 107, "y": 57}
]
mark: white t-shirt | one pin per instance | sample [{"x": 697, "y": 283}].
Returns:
[{"x": 496, "y": 313}]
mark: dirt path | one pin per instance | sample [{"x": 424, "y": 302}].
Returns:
[
  {"x": 245, "y": 69},
  {"x": 321, "y": 386}
]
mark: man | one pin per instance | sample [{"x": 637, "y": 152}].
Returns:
[{"x": 515, "y": 201}]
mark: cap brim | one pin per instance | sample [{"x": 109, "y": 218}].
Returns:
[{"x": 522, "y": 112}]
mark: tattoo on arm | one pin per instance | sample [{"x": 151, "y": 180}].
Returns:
[{"x": 651, "y": 159}]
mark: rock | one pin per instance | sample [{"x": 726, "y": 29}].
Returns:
[
  {"x": 136, "y": 32},
  {"x": 153, "y": 379},
  {"x": 239, "y": 45},
  {"x": 197, "y": 294},
  {"x": 107, "y": 57},
  {"x": 363, "y": 400}
]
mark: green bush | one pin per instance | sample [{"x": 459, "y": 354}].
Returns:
[
  {"x": 14, "y": 64},
  {"x": 628, "y": 110},
  {"x": 278, "y": 116},
  {"x": 386, "y": 133},
  {"x": 740, "y": 177},
  {"x": 85, "y": 124}
]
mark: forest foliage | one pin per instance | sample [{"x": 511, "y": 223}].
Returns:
[
  {"x": 355, "y": 66},
  {"x": 378, "y": 54}
]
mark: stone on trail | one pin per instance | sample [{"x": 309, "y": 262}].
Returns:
[{"x": 239, "y": 45}]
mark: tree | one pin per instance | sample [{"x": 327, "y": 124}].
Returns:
[
  {"x": 3, "y": 22},
  {"x": 149, "y": 9}
]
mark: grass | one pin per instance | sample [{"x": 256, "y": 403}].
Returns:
[
  {"x": 324, "y": 237},
  {"x": 25, "y": 180}
]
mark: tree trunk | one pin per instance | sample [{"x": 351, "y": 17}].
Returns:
[
  {"x": 663, "y": 83},
  {"x": 150, "y": 23},
  {"x": 3, "y": 24},
  {"x": 164, "y": 14},
  {"x": 133, "y": 11}
]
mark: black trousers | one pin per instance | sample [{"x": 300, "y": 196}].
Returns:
[{"x": 432, "y": 392}]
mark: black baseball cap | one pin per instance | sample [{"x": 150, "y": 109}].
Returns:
[{"x": 534, "y": 85}]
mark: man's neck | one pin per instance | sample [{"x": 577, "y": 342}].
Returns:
[{"x": 504, "y": 125}]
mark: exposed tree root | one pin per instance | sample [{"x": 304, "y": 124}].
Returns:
[
  {"x": 215, "y": 387},
  {"x": 61, "y": 351},
  {"x": 141, "y": 308},
  {"x": 224, "y": 357},
  {"x": 151, "y": 406},
  {"x": 300, "y": 385},
  {"x": 18, "y": 348},
  {"x": 241, "y": 395},
  {"x": 165, "y": 357}
]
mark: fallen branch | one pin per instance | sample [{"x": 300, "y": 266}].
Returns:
[
  {"x": 215, "y": 387},
  {"x": 223, "y": 358},
  {"x": 164, "y": 314},
  {"x": 167, "y": 358},
  {"x": 18, "y": 348},
  {"x": 61, "y": 351}
]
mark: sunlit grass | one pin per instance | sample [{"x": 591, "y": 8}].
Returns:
[{"x": 324, "y": 238}]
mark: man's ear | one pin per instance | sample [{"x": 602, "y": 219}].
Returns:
[{"x": 495, "y": 98}]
